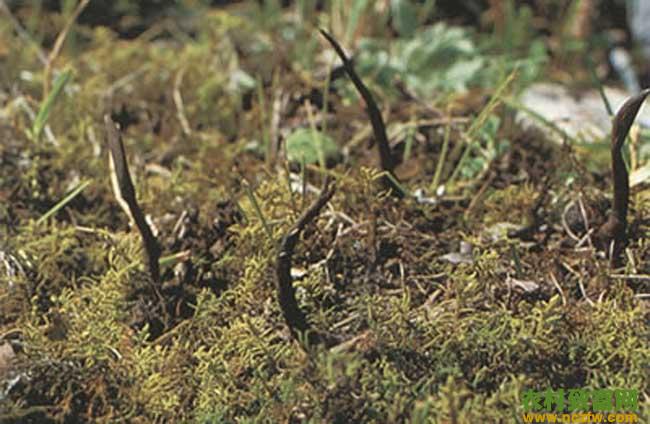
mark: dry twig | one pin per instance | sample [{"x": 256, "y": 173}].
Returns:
[
  {"x": 23, "y": 33},
  {"x": 180, "y": 105},
  {"x": 58, "y": 44}
]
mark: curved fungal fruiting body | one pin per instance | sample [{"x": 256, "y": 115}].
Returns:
[
  {"x": 386, "y": 159},
  {"x": 127, "y": 193},
  {"x": 615, "y": 229},
  {"x": 293, "y": 315}
]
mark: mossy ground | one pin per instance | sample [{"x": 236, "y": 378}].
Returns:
[{"x": 200, "y": 98}]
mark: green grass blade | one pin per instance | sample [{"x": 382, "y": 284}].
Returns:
[
  {"x": 46, "y": 107},
  {"x": 601, "y": 90},
  {"x": 402, "y": 191},
  {"x": 64, "y": 201},
  {"x": 495, "y": 100},
  {"x": 357, "y": 9},
  {"x": 514, "y": 104},
  {"x": 443, "y": 156},
  {"x": 258, "y": 210}
]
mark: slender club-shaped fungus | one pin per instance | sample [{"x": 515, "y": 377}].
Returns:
[
  {"x": 386, "y": 159},
  {"x": 293, "y": 315},
  {"x": 124, "y": 191},
  {"x": 615, "y": 229}
]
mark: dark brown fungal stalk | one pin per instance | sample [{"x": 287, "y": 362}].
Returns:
[
  {"x": 386, "y": 159},
  {"x": 127, "y": 195},
  {"x": 615, "y": 229},
  {"x": 293, "y": 315}
]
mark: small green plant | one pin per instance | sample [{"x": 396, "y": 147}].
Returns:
[
  {"x": 46, "y": 107},
  {"x": 310, "y": 146}
]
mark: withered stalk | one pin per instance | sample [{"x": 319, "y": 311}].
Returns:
[
  {"x": 293, "y": 315},
  {"x": 58, "y": 45},
  {"x": 386, "y": 159},
  {"x": 127, "y": 195},
  {"x": 615, "y": 229}
]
